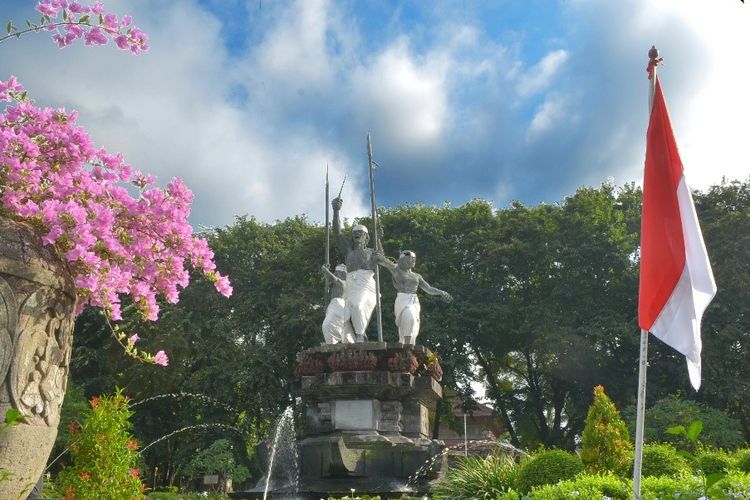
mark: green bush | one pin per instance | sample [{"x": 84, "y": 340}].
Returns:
[
  {"x": 719, "y": 429},
  {"x": 476, "y": 477},
  {"x": 585, "y": 487},
  {"x": 104, "y": 454},
  {"x": 735, "y": 485},
  {"x": 742, "y": 460},
  {"x": 663, "y": 460},
  {"x": 659, "y": 488},
  {"x": 605, "y": 443},
  {"x": 168, "y": 495},
  {"x": 712, "y": 461},
  {"x": 219, "y": 458},
  {"x": 547, "y": 467}
]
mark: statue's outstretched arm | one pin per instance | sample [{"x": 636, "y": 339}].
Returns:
[
  {"x": 327, "y": 272},
  {"x": 385, "y": 261},
  {"x": 434, "y": 291}
]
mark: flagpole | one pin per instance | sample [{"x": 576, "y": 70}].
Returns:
[
  {"x": 653, "y": 55},
  {"x": 328, "y": 243},
  {"x": 376, "y": 240}
]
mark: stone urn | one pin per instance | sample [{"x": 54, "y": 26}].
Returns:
[{"x": 37, "y": 308}]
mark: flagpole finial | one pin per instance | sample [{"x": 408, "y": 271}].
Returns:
[{"x": 653, "y": 61}]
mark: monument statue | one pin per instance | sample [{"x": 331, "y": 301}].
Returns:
[
  {"x": 359, "y": 297},
  {"x": 336, "y": 326},
  {"x": 406, "y": 308}
]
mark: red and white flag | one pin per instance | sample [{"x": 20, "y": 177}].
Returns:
[{"x": 676, "y": 282}]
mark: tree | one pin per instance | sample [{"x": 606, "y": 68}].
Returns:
[
  {"x": 217, "y": 459},
  {"x": 605, "y": 442}
]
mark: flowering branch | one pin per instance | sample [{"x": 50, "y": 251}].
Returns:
[
  {"x": 53, "y": 178},
  {"x": 72, "y": 20}
]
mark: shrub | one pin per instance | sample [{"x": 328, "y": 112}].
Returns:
[
  {"x": 547, "y": 467},
  {"x": 219, "y": 459},
  {"x": 605, "y": 443},
  {"x": 735, "y": 485},
  {"x": 713, "y": 461},
  {"x": 719, "y": 429},
  {"x": 477, "y": 477},
  {"x": 104, "y": 454},
  {"x": 585, "y": 487},
  {"x": 684, "y": 487},
  {"x": 662, "y": 460},
  {"x": 742, "y": 460}
]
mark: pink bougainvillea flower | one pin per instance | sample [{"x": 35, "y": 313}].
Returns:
[
  {"x": 76, "y": 195},
  {"x": 161, "y": 358}
]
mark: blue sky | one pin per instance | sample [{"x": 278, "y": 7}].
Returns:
[{"x": 504, "y": 100}]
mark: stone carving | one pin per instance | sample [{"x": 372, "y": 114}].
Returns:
[
  {"x": 38, "y": 387},
  {"x": 8, "y": 320},
  {"x": 406, "y": 282},
  {"x": 37, "y": 303}
]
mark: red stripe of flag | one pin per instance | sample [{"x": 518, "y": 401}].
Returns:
[{"x": 662, "y": 243}]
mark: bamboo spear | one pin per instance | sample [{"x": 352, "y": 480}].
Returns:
[{"x": 376, "y": 240}]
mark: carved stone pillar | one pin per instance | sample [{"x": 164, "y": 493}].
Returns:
[{"x": 37, "y": 304}]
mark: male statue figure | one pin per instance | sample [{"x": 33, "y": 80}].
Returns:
[
  {"x": 360, "y": 276},
  {"x": 337, "y": 327},
  {"x": 407, "y": 308}
]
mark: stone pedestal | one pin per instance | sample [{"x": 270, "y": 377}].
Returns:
[
  {"x": 366, "y": 429},
  {"x": 37, "y": 300}
]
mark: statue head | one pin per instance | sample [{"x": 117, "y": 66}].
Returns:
[
  {"x": 340, "y": 271},
  {"x": 407, "y": 259},
  {"x": 360, "y": 234}
]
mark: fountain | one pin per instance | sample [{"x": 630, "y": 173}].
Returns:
[
  {"x": 365, "y": 426},
  {"x": 284, "y": 456}
]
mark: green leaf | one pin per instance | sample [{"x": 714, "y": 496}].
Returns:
[
  {"x": 694, "y": 430},
  {"x": 713, "y": 478},
  {"x": 84, "y": 19},
  {"x": 8, "y": 26},
  {"x": 677, "y": 430},
  {"x": 685, "y": 454},
  {"x": 13, "y": 416}
]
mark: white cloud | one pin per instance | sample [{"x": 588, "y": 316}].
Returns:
[
  {"x": 405, "y": 98},
  {"x": 169, "y": 112},
  {"x": 704, "y": 77},
  {"x": 554, "y": 111},
  {"x": 540, "y": 76}
]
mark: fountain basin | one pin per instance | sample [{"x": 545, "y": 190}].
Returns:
[{"x": 365, "y": 428}]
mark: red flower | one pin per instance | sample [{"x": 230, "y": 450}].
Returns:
[
  {"x": 132, "y": 444},
  {"x": 135, "y": 473},
  {"x": 70, "y": 493},
  {"x": 94, "y": 402},
  {"x": 85, "y": 476},
  {"x": 73, "y": 427}
]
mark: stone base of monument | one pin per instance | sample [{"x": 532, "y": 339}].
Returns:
[{"x": 366, "y": 423}]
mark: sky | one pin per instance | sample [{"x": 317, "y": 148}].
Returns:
[{"x": 526, "y": 100}]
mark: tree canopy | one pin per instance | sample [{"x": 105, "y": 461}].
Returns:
[{"x": 545, "y": 309}]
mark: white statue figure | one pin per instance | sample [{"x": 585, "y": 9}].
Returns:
[
  {"x": 359, "y": 297},
  {"x": 337, "y": 326},
  {"x": 406, "y": 307}
]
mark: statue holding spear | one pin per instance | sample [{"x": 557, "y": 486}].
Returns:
[
  {"x": 337, "y": 326},
  {"x": 362, "y": 288}
]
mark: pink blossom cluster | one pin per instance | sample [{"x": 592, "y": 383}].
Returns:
[
  {"x": 71, "y": 20},
  {"x": 78, "y": 197}
]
